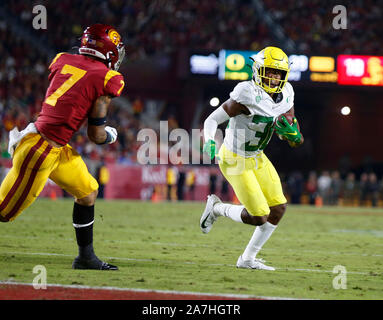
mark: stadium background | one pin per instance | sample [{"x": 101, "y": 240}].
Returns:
[{"x": 161, "y": 37}]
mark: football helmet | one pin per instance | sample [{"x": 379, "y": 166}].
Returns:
[
  {"x": 104, "y": 42},
  {"x": 273, "y": 58}
]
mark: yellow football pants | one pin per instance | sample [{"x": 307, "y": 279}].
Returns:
[
  {"x": 34, "y": 161},
  {"x": 255, "y": 181}
]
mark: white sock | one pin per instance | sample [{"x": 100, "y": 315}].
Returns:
[
  {"x": 229, "y": 210},
  {"x": 261, "y": 234}
]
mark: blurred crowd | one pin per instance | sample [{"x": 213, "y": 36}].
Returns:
[
  {"x": 327, "y": 188},
  {"x": 330, "y": 188},
  {"x": 23, "y": 81},
  {"x": 310, "y": 25},
  {"x": 150, "y": 27}
]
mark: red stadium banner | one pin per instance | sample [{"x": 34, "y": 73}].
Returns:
[
  {"x": 360, "y": 70},
  {"x": 150, "y": 183}
]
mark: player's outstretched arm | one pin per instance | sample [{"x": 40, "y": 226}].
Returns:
[
  {"x": 228, "y": 109},
  {"x": 97, "y": 131}
]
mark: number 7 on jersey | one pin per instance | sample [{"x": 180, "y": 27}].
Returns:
[{"x": 76, "y": 75}]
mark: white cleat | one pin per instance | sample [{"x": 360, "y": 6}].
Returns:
[
  {"x": 252, "y": 264},
  {"x": 208, "y": 217},
  {"x": 260, "y": 260}
]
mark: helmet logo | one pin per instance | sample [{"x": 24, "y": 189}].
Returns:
[{"x": 114, "y": 36}]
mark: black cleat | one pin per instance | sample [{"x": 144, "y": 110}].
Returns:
[{"x": 92, "y": 264}]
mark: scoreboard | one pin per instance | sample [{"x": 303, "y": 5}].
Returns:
[
  {"x": 360, "y": 70},
  {"x": 235, "y": 65},
  {"x": 343, "y": 70}
]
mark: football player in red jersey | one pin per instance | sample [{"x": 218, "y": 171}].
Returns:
[{"x": 81, "y": 88}]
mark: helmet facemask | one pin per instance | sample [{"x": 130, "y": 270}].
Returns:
[
  {"x": 270, "y": 58},
  {"x": 266, "y": 82},
  {"x": 121, "y": 56}
]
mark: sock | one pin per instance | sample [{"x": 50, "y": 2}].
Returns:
[
  {"x": 229, "y": 210},
  {"x": 83, "y": 218},
  {"x": 261, "y": 234}
]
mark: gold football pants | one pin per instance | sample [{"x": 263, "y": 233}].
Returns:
[
  {"x": 34, "y": 161},
  {"x": 255, "y": 181}
]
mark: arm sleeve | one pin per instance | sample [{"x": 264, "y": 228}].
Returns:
[{"x": 213, "y": 121}]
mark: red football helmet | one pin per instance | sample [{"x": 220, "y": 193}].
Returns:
[{"x": 104, "y": 42}]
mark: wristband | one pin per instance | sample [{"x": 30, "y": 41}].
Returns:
[{"x": 96, "y": 121}]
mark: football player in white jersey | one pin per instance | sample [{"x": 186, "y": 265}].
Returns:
[{"x": 253, "y": 111}]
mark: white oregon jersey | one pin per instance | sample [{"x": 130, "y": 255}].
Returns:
[{"x": 248, "y": 135}]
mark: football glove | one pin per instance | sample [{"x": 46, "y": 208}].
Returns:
[
  {"x": 209, "y": 148},
  {"x": 111, "y": 134},
  {"x": 287, "y": 130}
]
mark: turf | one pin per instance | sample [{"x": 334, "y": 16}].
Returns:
[{"x": 160, "y": 246}]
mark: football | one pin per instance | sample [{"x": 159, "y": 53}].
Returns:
[{"x": 289, "y": 117}]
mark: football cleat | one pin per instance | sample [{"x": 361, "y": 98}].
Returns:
[
  {"x": 208, "y": 217},
  {"x": 252, "y": 264},
  {"x": 260, "y": 260},
  {"x": 92, "y": 264}
]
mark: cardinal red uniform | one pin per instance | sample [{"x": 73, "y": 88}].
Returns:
[{"x": 76, "y": 81}]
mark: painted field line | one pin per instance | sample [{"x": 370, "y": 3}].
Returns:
[
  {"x": 175, "y": 244},
  {"x": 206, "y": 294},
  {"x": 180, "y": 262}
]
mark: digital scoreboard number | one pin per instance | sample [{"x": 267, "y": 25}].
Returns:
[{"x": 360, "y": 70}]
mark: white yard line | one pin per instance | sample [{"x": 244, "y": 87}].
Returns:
[
  {"x": 192, "y": 245},
  {"x": 175, "y": 262}
]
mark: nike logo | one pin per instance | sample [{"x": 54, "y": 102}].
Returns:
[
  {"x": 292, "y": 133},
  {"x": 203, "y": 222}
]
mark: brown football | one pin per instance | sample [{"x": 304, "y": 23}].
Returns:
[{"x": 289, "y": 117}]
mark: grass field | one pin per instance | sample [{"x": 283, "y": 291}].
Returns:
[{"x": 160, "y": 246}]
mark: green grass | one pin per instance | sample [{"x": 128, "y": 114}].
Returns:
[{"x": 160, "y": 246}]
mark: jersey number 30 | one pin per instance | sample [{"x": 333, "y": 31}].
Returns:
[
  {"x": 76, "y": 75},
  {"x": 263, "y": 127}
]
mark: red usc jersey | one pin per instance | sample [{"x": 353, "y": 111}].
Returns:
[{"x": 76, "y": 81}]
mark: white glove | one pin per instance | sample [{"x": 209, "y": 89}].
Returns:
[{"x": 112, "y": 133}]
